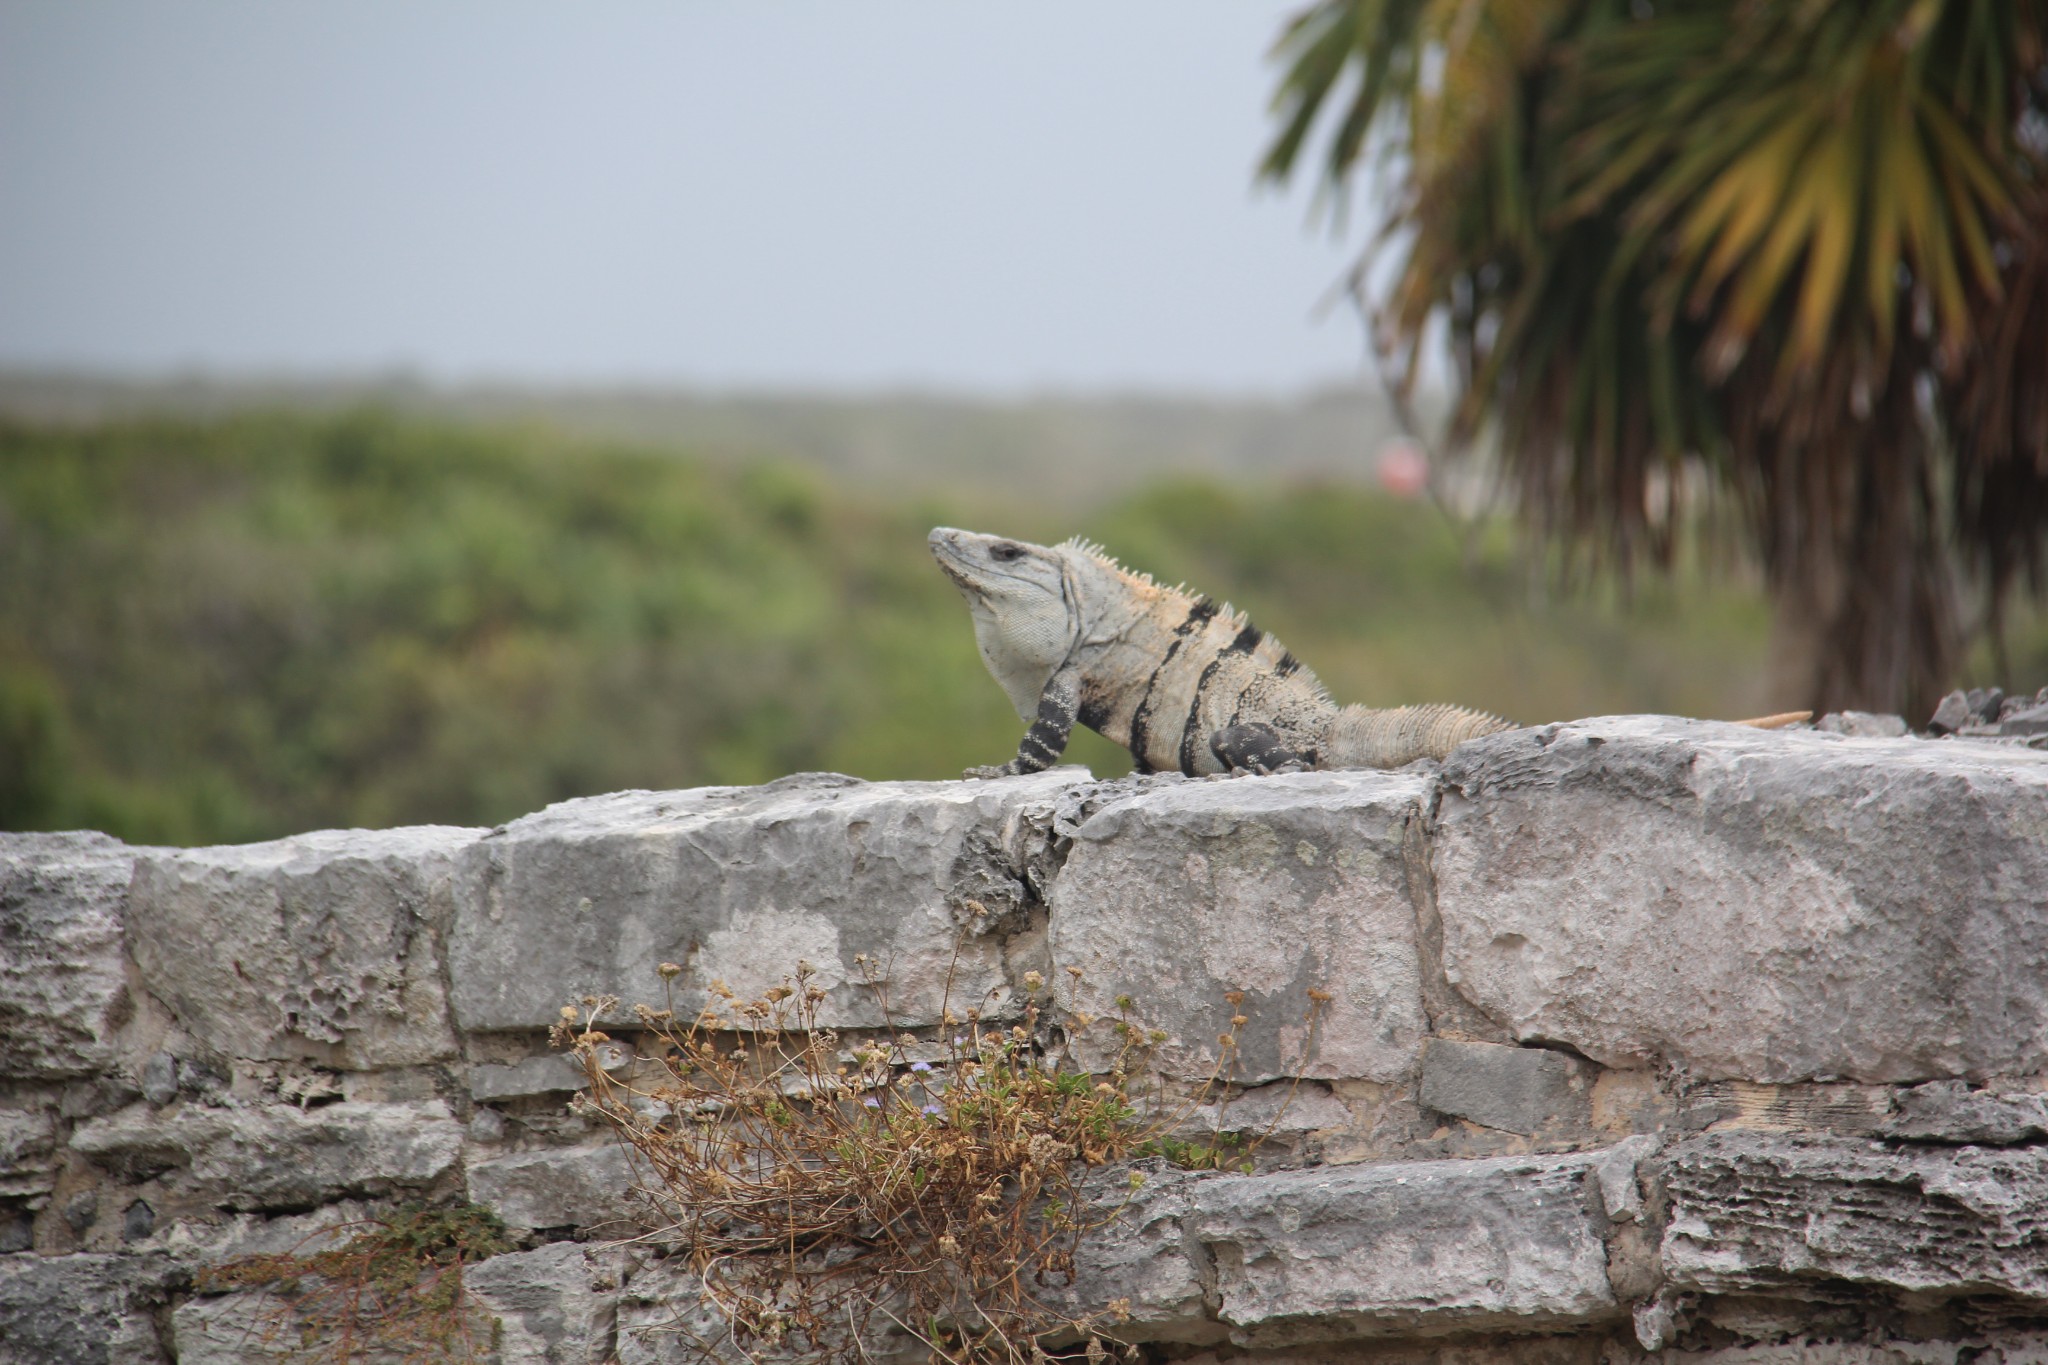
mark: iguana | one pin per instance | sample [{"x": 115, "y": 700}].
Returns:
[{"x": 1184, "y": 684}]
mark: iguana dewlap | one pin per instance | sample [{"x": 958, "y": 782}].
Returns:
[{"x": 1182, "y": 683}]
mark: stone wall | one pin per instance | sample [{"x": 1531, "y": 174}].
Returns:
[{"x": 1647, "y": 1040}]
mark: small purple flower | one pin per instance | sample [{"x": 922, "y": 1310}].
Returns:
[
  {"x": 920, "y": 1066},
  {"x": 872, "y": 1103},
  {"x": 959, "y": 1041},
  {"x": 934, "y": 1110}
]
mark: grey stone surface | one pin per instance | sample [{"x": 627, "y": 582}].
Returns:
[
  {"x": 741, "y": 884},
  {"x": 246, "y": 1328},
  {"x": 549, "y": 1074},
  {"x": 1949, "y": 1111},
  {"x": 1141, "y": 1257},
  {"x": 1408, "y": 1247},
  {"x": 1753, "y": 1211},
  {"x": 2033, "y": 720},
  {"x": 159, "y": 1079},
  {"x": 28, "y": 1151},
  {"x": 1767, "y": 906},
  {"x": 63, "y": 992},
  {"x": 1516, "y": 1089},
  {"x": 251, "y": 1328},
  {"x": 276, "y": 1156},
  {"x": 557, "y": 1187},
  {"x": 1271, "y": 886},
  {"x": 1952, "y": 714},
  {"x": 1862, "y": 724},
  {"x": 321, "y": 946},
  {"x": 1615, "y": 1173},
  {"x": 82, "y": 1310},
  {"x": 234, "y": 1236},
  {"x": 555, "y": 1305},
  {"x": 666, "y": 1319},
  {"x": 1279, "y": 1108}
]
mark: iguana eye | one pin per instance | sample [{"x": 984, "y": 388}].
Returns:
[{"x": 1004, "y": 552}]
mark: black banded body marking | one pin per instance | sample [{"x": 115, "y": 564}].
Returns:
[
  {"x": 1192, "y": 728},
  {"x": 1199, "y": 615}
]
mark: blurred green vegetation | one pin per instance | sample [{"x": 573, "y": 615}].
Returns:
[{"x": 223, "y": 630}]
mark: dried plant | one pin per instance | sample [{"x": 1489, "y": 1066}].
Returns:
[
  {"x": 389, "y": 1287},
  {"x": 823, "y": 1187}
]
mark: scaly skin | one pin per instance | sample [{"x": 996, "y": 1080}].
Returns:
[{"x": 1182, "y": 683}]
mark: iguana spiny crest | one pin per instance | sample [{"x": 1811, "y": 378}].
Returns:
[{"x": 1184, "y": 684}]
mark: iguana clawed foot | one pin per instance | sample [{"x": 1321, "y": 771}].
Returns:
[{"x": 1257, "y": 748}]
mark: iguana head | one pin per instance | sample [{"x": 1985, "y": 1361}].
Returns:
[{"x": 1025, "y": 606}]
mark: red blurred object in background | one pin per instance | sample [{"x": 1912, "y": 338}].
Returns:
[{"x": 1403, "y": 469}]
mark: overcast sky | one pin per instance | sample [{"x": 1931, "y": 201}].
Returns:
[{"x": 776, "y": 193}]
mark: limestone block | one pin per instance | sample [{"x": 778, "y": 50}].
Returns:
[
  {"x": 1753, "y": 905},
  {"x": 739, "y": 884},
  {"x": 1949, "y": 1111},
  {"x": 665, "y": 1318},
  {"x": 1754, "y": 1211},
  {"x": 319, "y": 946},
  {"x": 238, "y": 1236},
  {"x": 1615, "y": 1171},
  {"x": 1382, "y": 1251},
  {"x": 258, "y": 1328},
  {"x": 1516, "y": 1089},
  {"x": 553, "y": 1073},
  {"x": 277, "y": 1156},
  {"x": 1280, "y": 1108},
  {"x": 1270, "y": 886},
  {"x": 2001, "y": 1349},
  {"x": 62, "y": 989},
  {"x": 1566, "y": 1350},
  {"x": 245, "y": 1328},
  {"x": 560, "y": 1187},
  {"x": 28, "y": 1151},
  {"x": 81, "y": 1310},
  {"x": 1141, "y": 1257},
  {"x": 555, "y": 1305}
]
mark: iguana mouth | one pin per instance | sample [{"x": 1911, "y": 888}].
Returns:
[{"x": 945, "y": 551}]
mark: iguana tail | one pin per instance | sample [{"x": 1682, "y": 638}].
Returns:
[{"x": 1362, "y": 738}]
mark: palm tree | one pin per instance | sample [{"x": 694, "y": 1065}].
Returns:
[{"x": 1801, "y": 245}]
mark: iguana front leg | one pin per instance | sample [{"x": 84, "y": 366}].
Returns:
[{"x": 1046, "y": 740}]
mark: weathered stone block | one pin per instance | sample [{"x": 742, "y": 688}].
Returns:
[
  {"x": 666, "y": 1318},
  {"x": 246, "y": 1328},
  {"x": 559, "y": 1187},
  {"x": 28, "y": 1151},
  {"x": 82, "y": 1310},
  {"x": 548, "y": 1074},
  {"x": 1142, "y": 1257},
  {"x": 1949, "y": 1111},
  {"x": 277, "y": 1156},
  {"x": 253, "y": 1327},
  {"x": 1768, "y": 906},
  {"x": 1615, "y": 1172},
  {"x": 1271, "y": 886},
  {"x": 62, "y": 988},
  {"x": 740, "y": 884},
  {"x": 1281, "y": 1107},
  {"x": 1425, "y": 1246},
  {"x": 1753, "y": 1211},
  {"x": 320, "y": 946},
  {"x": 1515, "y": 1089},
  {"x": 555, "y": 1305}
]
